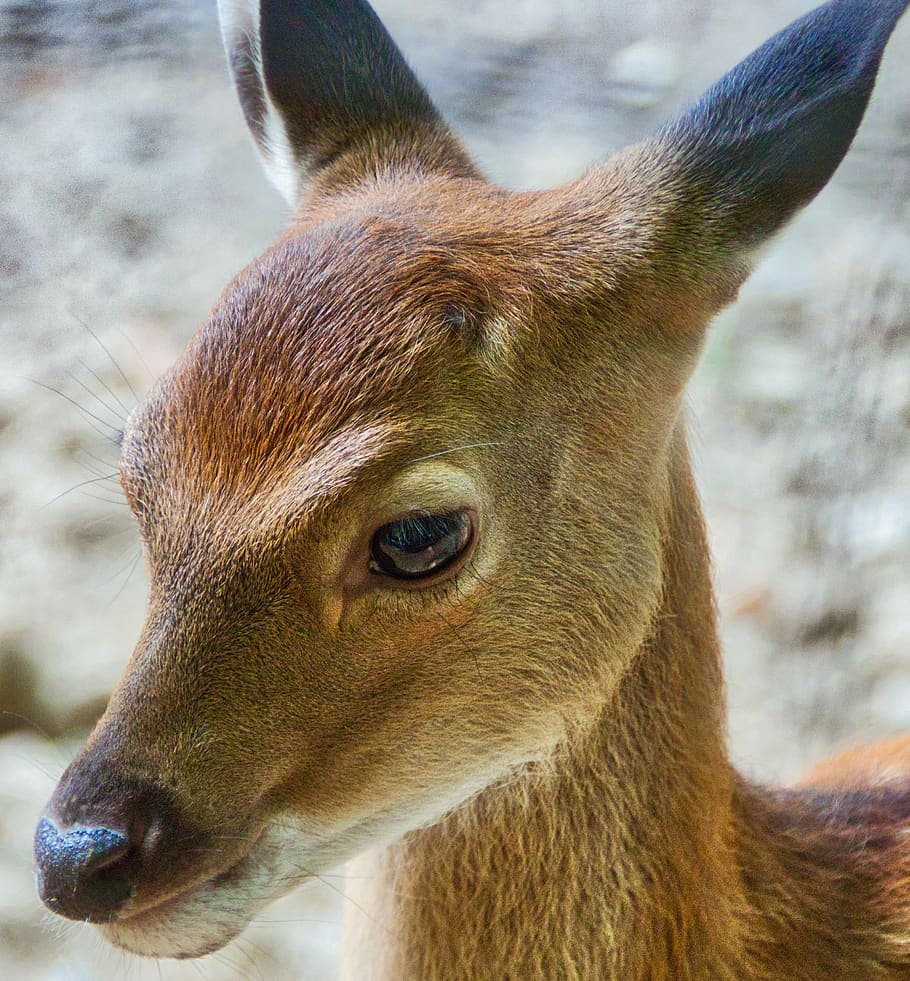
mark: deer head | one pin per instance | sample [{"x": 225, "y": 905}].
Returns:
[{"x": 402, "y": 498}]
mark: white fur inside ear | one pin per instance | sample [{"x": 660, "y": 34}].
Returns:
[
  {"x": 240, "y": 32},
  {"x": 278, "y": 158}
]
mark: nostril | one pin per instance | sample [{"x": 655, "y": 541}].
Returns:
[
  {"x": 107, "y": 849},
  {"x": 84, "y": 872}
]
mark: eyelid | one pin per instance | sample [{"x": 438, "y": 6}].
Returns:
[{"x": 436, "y": 486}]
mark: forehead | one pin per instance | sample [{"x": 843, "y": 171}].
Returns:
[{"x": 349, "y": 322}]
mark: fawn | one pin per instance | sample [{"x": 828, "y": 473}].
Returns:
[{"x": 429, "y": 581}]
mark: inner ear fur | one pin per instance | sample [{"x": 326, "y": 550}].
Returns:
[{"x": 328, "y": 97}]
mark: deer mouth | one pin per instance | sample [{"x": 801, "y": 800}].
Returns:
[{"x": 207, "y": 915}]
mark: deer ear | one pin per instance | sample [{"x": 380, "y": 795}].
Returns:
[
  {"x": 328, "y": 96},
  {"x": 763, "y": 141}
]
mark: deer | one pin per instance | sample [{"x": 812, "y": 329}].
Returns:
[{"x": 430, "y": 592}]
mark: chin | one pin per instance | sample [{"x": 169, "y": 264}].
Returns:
[
  {"x": 210, "y": 914},
  {"x": 189, "y": 929}
]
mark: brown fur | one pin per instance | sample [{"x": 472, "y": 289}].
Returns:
[
  {"x": 547, "y": 725},
  {"x": 634, "y": 851}
]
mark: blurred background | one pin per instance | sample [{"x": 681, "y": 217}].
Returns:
[{"x": 129, "y": 193}]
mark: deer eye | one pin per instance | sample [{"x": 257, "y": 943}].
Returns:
[{"x": 420, "y": 544}]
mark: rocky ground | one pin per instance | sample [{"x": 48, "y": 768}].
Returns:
[{"x": 128, "y": 195}]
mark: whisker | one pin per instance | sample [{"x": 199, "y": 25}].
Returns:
[
  {"x": 137, "y": 352},
  {"x": 106, "y": 500},
  {"x": 221, "y": 957},
  {"x": 96, "y": 397},
  {"x": 455, "y": 449},
  {"x": 122, "y": 560},
  {"x": 465, "y": 645},
  {"x": 104, "y": 348},
  {"x": 128, "y": 532},
  {"x": 94, "y": 470},
  {"x": 30, "y": 722},
  {"x": 84, "y": 483},
  {"x": 263, "y": 954},
  {"x": 65, "y": 759},
  {"x": 259, "y": 922},
  {"x": 126, "y": 581},
  {"x": 73, "y": 402},
  {"x": 336, "y": 889},
  {"x": 107, "y": 388},
  {"x": 102, "y": 519},
  {"x": 471, "y": 567},
  {"x": 94, "y": 456},
  {"x": 198, "y": 968},
  {"x": 41, "y": 769}
]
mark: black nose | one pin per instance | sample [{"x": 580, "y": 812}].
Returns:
[
  {"x": 83, "y": 872},
  {"x": 110, "y": 842}
]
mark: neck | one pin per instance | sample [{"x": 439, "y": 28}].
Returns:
[{"x": 634, "y": 851}]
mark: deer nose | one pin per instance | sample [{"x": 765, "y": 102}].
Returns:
[{"x": 84, "y": 873}]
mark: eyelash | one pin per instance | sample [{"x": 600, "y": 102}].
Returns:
[{"x": 397, "y": 548}]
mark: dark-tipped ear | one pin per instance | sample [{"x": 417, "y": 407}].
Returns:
[
  {"x": 328, "y": 96},
  {"x": 768, "y": 136}
]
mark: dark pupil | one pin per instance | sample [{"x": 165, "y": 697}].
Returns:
[{"x": 419, "y": 544}]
